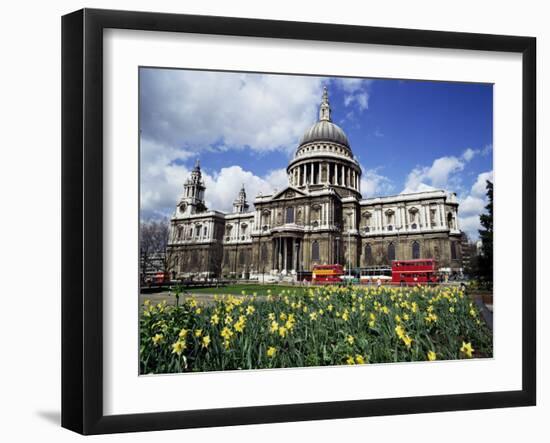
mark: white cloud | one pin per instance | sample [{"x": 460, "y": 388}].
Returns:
[
  {"x": 223, "y": 186},
  {"x": 472, "y": 205},
  {"x": 162, "y": 187},
  {"x": 442, "y": 174},
  {"x": 356, "y": 91},
  {"x": 375, "y": 184},
  {"x": 479, "y": 188},
  {"x": 197, "y": 110},
  {"x": 469, "y": 154},
  {"x": 470, "y": 225},
  {"x": 487, "y": 149}
]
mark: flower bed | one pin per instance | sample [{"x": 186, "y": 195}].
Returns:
[{"x": 312, "y": 327}]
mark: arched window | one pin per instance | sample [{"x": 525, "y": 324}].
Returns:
[
  {"x": 368, "y": 254},
  {"x": 315, "y": 250},
  {"x": 453, "y": 251},
  {"x": 289, "y": 215},
  {"x": 415, "y": 250},
  {"x": 391, "y": 252},
  {"x": 180, "y": 232}
]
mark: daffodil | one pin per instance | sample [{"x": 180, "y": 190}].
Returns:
[
  {"x": 359, "y": 359},
  {"x": 198, "y": 332},
  {"x": 271, "y": 351},
  {"x": 226, "y": 333},
  {"x": 432, "y": 356},
  {"x": 350, "y": 360},
  {"x": 178, "y": 347},
  {"x": 400, "y": 331},
  {"x": 407, "y": 340},
  {"x": 239, "y": 324},
  {"x": 157, "y": 339},
  {"x": 350, "y": 339},
  {"x": 467, "y": 349},
  {"x": 183, "y": 333},
  {"x": 215, "y": 319},
  {"x": 205, "y": 341}
]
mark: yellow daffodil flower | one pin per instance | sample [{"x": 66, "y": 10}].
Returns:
[
  {"x": 157, "y": 339},
  {"x": 178, "y": 347},
  {"x": 467, "y": 349}
]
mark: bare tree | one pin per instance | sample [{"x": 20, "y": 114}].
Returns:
[{"x": 153, "y": 240}]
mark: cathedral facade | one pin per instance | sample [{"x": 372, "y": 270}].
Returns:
[{"x": 319, "y": 218}]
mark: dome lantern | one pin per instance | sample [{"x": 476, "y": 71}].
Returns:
[{"x": 324, "y": 109}]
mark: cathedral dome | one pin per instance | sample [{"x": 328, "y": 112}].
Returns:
[{"x": 325, "y": 130}]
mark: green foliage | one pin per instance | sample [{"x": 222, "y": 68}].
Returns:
[
  {"x": 485, "y": 264},
  {"x": 312, "y": 327}
]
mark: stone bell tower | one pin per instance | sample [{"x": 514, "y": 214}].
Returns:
[
  {"x": 192, "y": 201},
  {"x": 240, "y": 204}
]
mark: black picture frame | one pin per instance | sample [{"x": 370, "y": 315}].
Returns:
[{"x": 82, "y": 215}]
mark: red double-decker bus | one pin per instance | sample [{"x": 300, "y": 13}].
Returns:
[
  {"x": 413, "y": 272},
  {"x": 327, "y": 274}
]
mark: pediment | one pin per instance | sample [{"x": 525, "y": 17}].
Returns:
[{"x": 287, "y": 193}]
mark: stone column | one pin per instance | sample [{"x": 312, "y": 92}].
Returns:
[
  {"x": 293, "y": 253},
  {"x": 283, "y": 242}
]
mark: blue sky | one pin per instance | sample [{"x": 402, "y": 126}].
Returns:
[{"x": 407, "y": 135}]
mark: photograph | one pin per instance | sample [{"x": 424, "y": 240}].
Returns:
[{"x": 292, "y": 221}]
